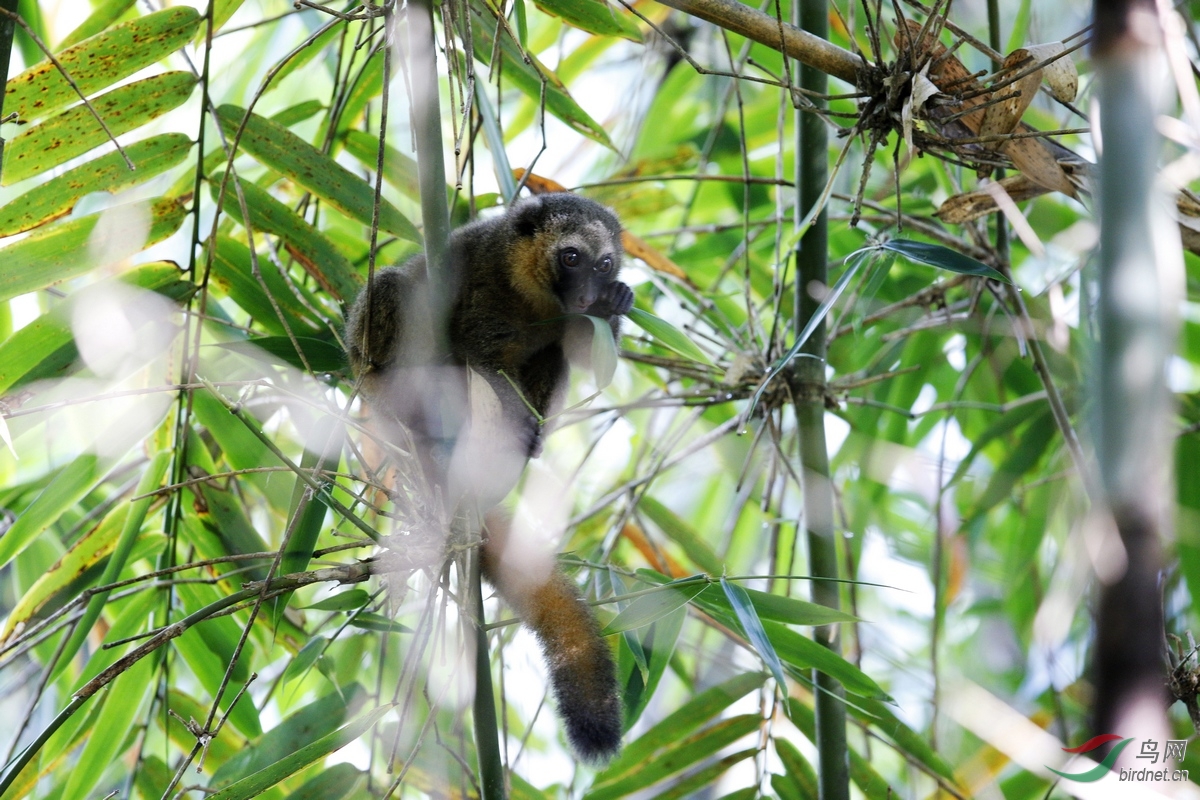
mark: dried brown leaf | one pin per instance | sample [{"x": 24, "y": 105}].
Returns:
[{"x": 969, "y": 206}]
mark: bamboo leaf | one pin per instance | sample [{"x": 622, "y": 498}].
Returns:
[
  {"x": 120, "y": 547},
  {"x": 941, "y": 257},
  {"x": 334, "y": 783},
  {"x": 295, "y": 114},
  {"x": 124, "y": 700},
  {"x": 313, "y": 722},
  {"x": 656, "y": 646},
  {"x": 797, "y": 768},
  {"x": 289, "y": 155},
  {"x": 593, "y": 16},
  {"x": 289, "y": 765},
  {"x": 651, "y": 607},
  {"x": 533, "y": 78},
  {"x": 794, "y": 611},
  {"x": 604, "y": 352},
  {"x": 682, "y": 755},
  {"x": 706, "y": 777},
  {"x": 399, "y": 169},
  {"x": 106, "y": 13},
  {"x": 92, "y": 547},
  {"x": 60, "y": 252},
  {"x": 678, "y": 531},
  {"x": 69, "y": 486},
  {"x": 233, "y": 273},
  {"x": 706, "y": 705},
  {"x": 753, "y": 628},
  {"x": 100, "y": 61},
  {"x": 109, "y": 173},
  {"x": 667, "y": 335},
  {"x": 319, "y": 257},
  {"x": 76, "y": 131},
  {"x": 320, "y": 355},
  {"x": 46, "y": 345},
  {"x": 303, "y": 661},
  {"x": 324, "y": 450},
  {"x": 343, "y": 601}
]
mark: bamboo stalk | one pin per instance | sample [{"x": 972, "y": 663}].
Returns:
[
  {"x": 1132, "y": 400},
  {"x": 812, "y": 167}
]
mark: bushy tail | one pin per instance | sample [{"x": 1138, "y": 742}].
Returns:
[{"x": 581, "y": 664}]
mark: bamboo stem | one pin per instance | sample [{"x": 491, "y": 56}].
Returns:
[{"x": 812, "y": 167}]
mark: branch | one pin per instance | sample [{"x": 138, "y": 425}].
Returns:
[{"x": 765, "y": 29}]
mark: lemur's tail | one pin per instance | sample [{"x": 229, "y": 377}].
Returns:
[{"x": 581, "y": 664}]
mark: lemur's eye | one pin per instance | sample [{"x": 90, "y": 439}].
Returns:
[
  {"x": 569, "y": 257},
  {"x": 605, "y": 265}
]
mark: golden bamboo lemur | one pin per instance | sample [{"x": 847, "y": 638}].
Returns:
[{"x": 517, "y": 279}]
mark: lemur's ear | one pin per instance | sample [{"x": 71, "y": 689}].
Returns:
[{"x": 528, "y": 215}]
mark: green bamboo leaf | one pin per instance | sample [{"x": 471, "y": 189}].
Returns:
[
  {"x": 60, "y": 252},
  {"x": 674, "y": 759},
  {"x": 318, "y": 719},
  {"x": 293, "y": 115},
  {"x": 907, "y": 741},
  {"x": 593, "y": 16},
  {"x": 106, "y": 13},
  {"x": 76, "y": 131},
  {"x": 320, "y": 355},
  {"x": 532, "y": 77},
  {"x": 369, "y": 621},
  {"x": 91, "y": 548},
  {"x": 289, "y": 155},
  {"x": 70, "y": 485},
  {"x": 344, "y": 601},
  {"x": 398, "y": 169},
  {"x": 324, "y": 449},
  {"x": 495, "y": 143},
  {"x": 667, "y": 335},
  {"x": 935, "y": 255},
  {"x": 604, "y": 352},
  {"x": 797, "y": 768},
  {"x": 753, "y": 628},
  {"x": 333, "y": 29},
  {"x": 705, "y": 778},
  {"x": 656, "y": 646},
  {"x": 46, "y": 345},
  {"x": 233, "y": 273},
  {"x": 120, "y": 548},
  {"x": 651, "y": 607},
  {"x": 275, "y": 773},
  {"x": 334, "y": 783},
  {"x": 798, "y": 652},
  {"x": 1000, "y": 427},
  {"x": 100, "y": 61},
  {"x": 1038, "y": 435},
  {"x": 303, "y": 661},
  {"x": 124, "y": 700},
  {"x": 803, "y": 654},
  {"x": 109, "y": 173},
  {"x": 682, "y": 534},
  {"x": 707, "y": 705},
  {"x": 794, "y": 611},
  {"x": 319, "y": 257},
  {"x": 367, "y": 86},
  {"x": 223, "y": 11},
  {"x": 209, "y": 649}
]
